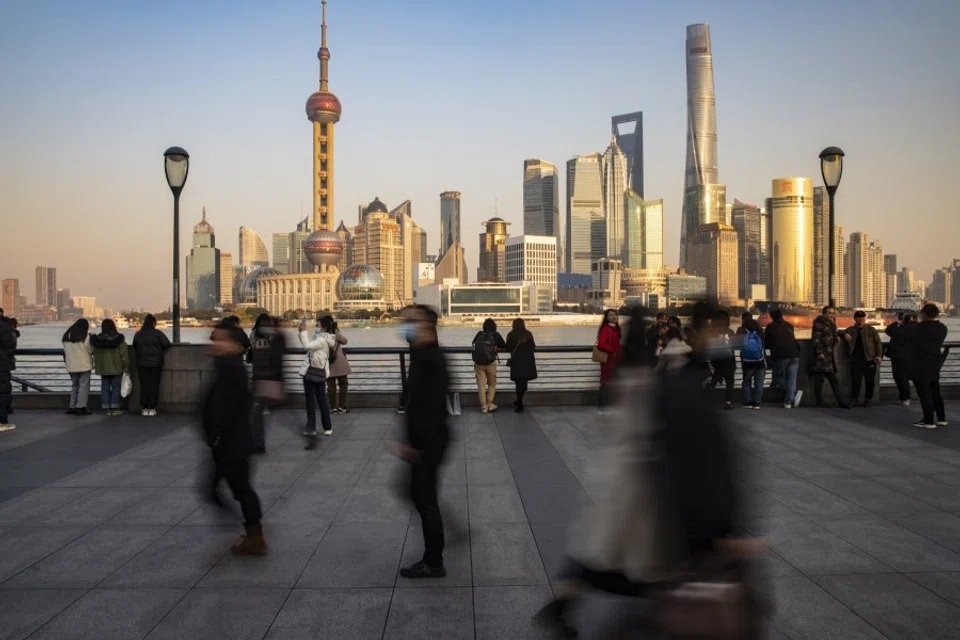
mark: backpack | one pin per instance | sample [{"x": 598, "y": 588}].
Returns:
[
  {"x": 485, "y": 348},
  {"x": 752, "y": 350}
]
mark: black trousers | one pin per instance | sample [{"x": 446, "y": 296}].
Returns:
[
  {"x": 149, "y": 387},
  {"x": 316, "y": 396},
  {"x": 724, "y": 371},
  {"x": 831, "y": 377},
  {"x": 337, "y": 400},
  {"x": 901, "y": 376},
  {"x": 521, "y": 388},
  {"x": 609, "y": 581},
  {"x": 930, "y": 399},
  {"x": 404, "y": 394},
  {"x": 861, "y": 370},
  {"x": 236, "y": 473},
  {"x": 423, "y": 491}
]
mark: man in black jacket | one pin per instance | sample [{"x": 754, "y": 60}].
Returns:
[
  {"x": 8, "y": 344},
  {"x": 785, "y": 355},
  {"x": 899, "y": 353},
  {"x": 655, "y": 339},
  {"x": 427, "y": 435},
  {"x": 925, "y": 341}
]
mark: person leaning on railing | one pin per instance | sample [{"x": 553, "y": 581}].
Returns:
[
  {"x": 149, "y": 344},
  {"x": 111, "y": 360},
  {"x": 8, "y": 344},
  {"x": 78, "y": 357}
]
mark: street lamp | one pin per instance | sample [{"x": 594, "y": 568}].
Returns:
[
  {"x": 831, "y": 167},
  {"x": 176, "y": 164}
]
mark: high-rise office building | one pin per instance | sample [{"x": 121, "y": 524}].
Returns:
[
  {"x": 584, "y": 210},
  {"x": 643, "y": 232},
  {"x": 702, "y": 204},
  {"x": 281, "y": 252},
  {"x": 377, "y": 242},
  {"x": 865, "y": 275},
  {"x": 791, "y": 222},
  {"x": 941, "y": 286},
  {"x": 890, "y": 263},
  {"x": 87, "y": 304},
  {"x": 411, "y": 236},
  {"x": 449, "y": 220},
  {"x": 46, "y": 286},
  {"x": 765, "y": 243},
  {"x": 821, "y": 246},
  {"x": 715, "y": 258},
  {"x": 541, "y": 202},
  {"x": 452, "y": 266},
  {"x": 745, "y": 219},
  {"x": 614, "y": 188},
  {"x": 839, "y": 275},
  {"x": 64, "y": 299},
  {"x": 203, "y": 267},
  {"x": 630, "y": 140},
  {"x": 346, "y": 237},
  {"x": 533, "y": 259},
  {"x": 226, "y": 277},
  {"x": 11, "y": 297},
  {"x": 493, "y": 246},
  {"x": 253, "y": 251}
]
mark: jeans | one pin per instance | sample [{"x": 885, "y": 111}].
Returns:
[
  {"x": 930, "y": 399},
  {"x": 753, "y": 384},
  {"x": 79, "y": 389},
  {"x": 724, "y": 370},
  {"x": 831, "y": 377},
  {"x": 486, "y": 382},
  {"x": 337, "y": 400},
  {"x": 901, "y": 376},
  {"x": 110, "y": 392},
  {"x": 236, "y": 473},
  {"x": 423, "y": 490},
  {"x": 785, "y": 373},
  {"x": 149, "y": 387},
  {"x": 860, "y": 369},
  {"x": 317, "y": 396}
]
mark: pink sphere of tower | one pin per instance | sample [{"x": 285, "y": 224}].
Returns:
[{"x": 323, "y": 248}]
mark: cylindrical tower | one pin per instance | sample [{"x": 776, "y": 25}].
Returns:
[{"x": 791, "y": 219}]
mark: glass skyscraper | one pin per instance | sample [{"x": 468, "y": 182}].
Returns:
[
  {"x": 586, "y": 232},
  {"x": 614, "y": 188},
  {"x": 449, "y": 220},
  {"x": 643, "y": 225},
  {"x": 746, "y": 220},
  {"x": 791, "y": 218},
  {"x": 631, "y": 142},
  {"x": 541, "y": 202}
]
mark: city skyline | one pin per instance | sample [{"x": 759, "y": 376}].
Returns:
[{"x": 130, "y": 126}]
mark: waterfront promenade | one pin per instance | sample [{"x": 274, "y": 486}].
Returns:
[{"x": 102, "y": 534}]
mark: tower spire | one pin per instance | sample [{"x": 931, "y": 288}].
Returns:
[
  {"x": 203, "y": 213},
  {"x": 324, "y": 53}
]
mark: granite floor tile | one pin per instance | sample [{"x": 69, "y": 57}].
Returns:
[
  {"x": 494, "y": 471},
  {"x": 930, "y": 489},
  {"x": 95, "y": 507},
  {"x": 330, "y": 473},
  {"x": 230, "y": 614},
  {"x": 491, "y": 505},
  {"x": 37, "y": 503},
  {"x": 806, "y": 498},
  {"x": 561, "y": 504},
  {"x": 290, "y": 550},
  {"x": 431, "y": 613},
  {"x": 21, "y": 547},
  {"x": 356, "y": 555},
  {"x": 814, "y": 550},
  {"x": 348, "y": 614},
  {"x": 505, "y": 555},
  {"x": 803, "y": 610},
  {"x": 940, "y": 527},
  {"x": 870, "y": 494},
  {"x": 383, "y": 473},
  {"x": 164, "y": 506},
  {"x": 178, "y": 559},
  {"x": 315, "y": 507},
  {"x": 506, "y": 613},
  {"x": 552, "y": 542},
  {"x": 276, "y": 473},
  {"x": 456, "y": 558},
  {"x": 102, "y": 474},
  {"x": 369, "y": 505},
  {"x": 111, "y": 613},
  {"x": 23, "y": 611},
  {"x": 347, "y": 449},
  {"x": 484, "y": 448},
  {"x": 944, "y": 584}
]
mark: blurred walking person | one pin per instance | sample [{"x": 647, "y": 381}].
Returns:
[
  {"x": 899, "y": 353},
  {"x": 925, "y": 340},
  {"x": 753, "y": 360},
  {"x": 226, "y": 430},
  {"x": 609, "y": 338},
  {"x": 823, "y": 364},
  {"x": 522, "y": 361},
  {"x": 78, "y": 357},
  {"x": 8, "y": 344},
  {"x": 866, "y": 354},
  {"x": 315, "y": 371},
  {"x": 427, "y": 435},
  {"x": 338, "y": 382},
  {"x": 721, "y": 356},
  {"x": 487, "y": 345},
  {"x": 149, "y": 345},
  {"x": 785, "y": 356},
  {"x": 111, "y": 361},
  {"x": 267, "y": 345}
]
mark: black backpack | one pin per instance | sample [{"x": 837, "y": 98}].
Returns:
[{"x": 485, "y": 348}]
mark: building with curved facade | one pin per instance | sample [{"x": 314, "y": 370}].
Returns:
[
  {"x": 493, "y": 251},
  {"x": 792, "y": 240},
  {"x": 253, "y": 251},
  {"x": 360, "y": 288},
  {"x": 586, "y": 231},
  {"x": 449, "y": 220}
]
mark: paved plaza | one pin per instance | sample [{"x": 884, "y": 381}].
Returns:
[{"x": 103, "y": 535}]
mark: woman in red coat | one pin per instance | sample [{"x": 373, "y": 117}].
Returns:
[{"x": 608, "y": 341}]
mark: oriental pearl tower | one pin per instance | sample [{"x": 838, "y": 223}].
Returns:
[{"x": 323, "y": 247}]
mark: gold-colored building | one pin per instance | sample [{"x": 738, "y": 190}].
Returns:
[
  {"x": 792, "y": 241},
  {"x": 377, "y": 242},
  {"x": 715, "y": 255},
  {"x": 493, "y": 251}
]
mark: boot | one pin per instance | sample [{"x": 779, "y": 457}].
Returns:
[{"x": 252, "y": 543}]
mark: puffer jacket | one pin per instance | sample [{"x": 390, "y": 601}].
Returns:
[
  {"x": 872, "y": 346},
  {"x": 110, "y": 356},
  {"x": 824, "y": 340},
  {"x": 78, "y": 356},
  {"x": 149, "y": 345},
  {"x": 318, "y": 349},
  {"x": 340, "y": 366},
  {"x": 266, "y": 353}
]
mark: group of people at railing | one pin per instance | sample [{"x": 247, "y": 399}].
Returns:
[{"x": 9, "y": 334}]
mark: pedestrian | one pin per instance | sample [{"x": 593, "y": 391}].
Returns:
[
  {"x": 267, "y": 345},
  {"x": 427, "y": 435},
  {"x": 609, "y": 338},
  {"x": 78, "y": 357},
  {"x": 226, "y": 430},
  {"x": 12, "y": 355},
  {"x": 655, "y": 339},
  {"x": 149, "y": 345},
  {"x": 925, "y": 341},
  {"x": 404, "y": 316},
  {"x": 721, "y": 355},
  {"x": 8, "y": 345},
  {"x": 337, "y": 383},
  {"x": 111, "y": 361},
  {"x": 522, "y": 361},
  {"x": 487, "y": 344},
  {"x": 784, "y": 349},
  {"x": 315, "y": 370},
  {"x": 866, "y": 353},
  {"x": 753, "y": 360},
  {"x": 899, "y": 354},
  {"x": 823, "y": 364}
]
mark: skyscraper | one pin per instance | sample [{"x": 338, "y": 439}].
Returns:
[
  {"x": 281, "y": 253},
  {"x": 493, "y": 251},
  {"x": 534, "y": 259},
  {"x": 253, "y": 251},
  {"x": 584, "y": 209},
  {"x": 821, "y": 247},
  {"x": 226, "y": 277},
  {"x": 631, "y": 142},
  {"x": 702, "y": 204},
  {"x": 701, "y": 165},
  {"x": 541, "y": 201},
  {"x": 866, "y": 278},
  {"x": 614, "y": 188},
  {"x": 377, "y": 242},
  {"x": 203, "y": 267},
  {"x": 746, "y": 220},
  {"x": 791, "y": 220},
  {"x": 839, "y": 274},
  {"x": 46, "y": 286},
  {"x": 411, "y": 235},
  {"x": 346, "y": 236},
  {"x": 643, "y": 232},
  {"x": 449, "y": 220},
  {"x": 715, "y": 258},
  {"x": 10, "y": 302}
]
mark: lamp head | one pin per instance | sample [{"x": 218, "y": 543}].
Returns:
[
  {"x": 176, "y": 165},
  {"x": 831, "y": 167}
]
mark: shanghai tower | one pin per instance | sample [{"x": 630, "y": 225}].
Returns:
[{"x": 701, "y": 167}]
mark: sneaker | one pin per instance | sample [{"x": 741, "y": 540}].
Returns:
[
  {"x": 7, "y": 427},
  {"x": 755, "y": 406},
  {"x": 787, "y": 406},
  {"x": 328, "y": 432},
  {"x": 71, "y": 412},
  {"x": 422, "y": 570},
  {"x": 942, "y": 423},
  {"x": 729, "y": 406},
  {"x": 308, "y": 434},
  {"x": 153, "y": 412},
  {"x": 797, "y": 397},
  {"x": 344, "y": 410},
  {"x": 905, "y": 403},
  {"x": 82, "y": 411},
  {"x": 401, "y": 409},
  {"x": 924, "y": 425},
  {"x": 483, "y": 410},
  {"x": 145, "y": 412},
  {"x": 491, "y": 408}
]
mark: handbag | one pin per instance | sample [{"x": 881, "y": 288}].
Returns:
[
  {"x": 599, "y": 356},
  {"x": 708, "y": 606},
  {"x": 270, "y": 391},
  {"x": 315, "y": 375}
]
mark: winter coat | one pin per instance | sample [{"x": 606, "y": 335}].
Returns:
[
  {"x": 426, "y": 420},
  {"x": 897, "y": 348},
  {"x": 872, "y": 345},
  {"x": 110, "y": 356},
  {"x": 823, "y": 339},
  {"x": 341, "y": 366},
  {"x": 781, "y": 341},
  {"x": 226, "y": 411},
  {"x": 8, "y": 344},
  {"x": 497, "y": 339},
  {"x": 318, "y": 349},
  {"x": 523, "y": 362},
  {"x": 924, "y": 341},
  {"x": 608, "y": 341},
  {"x": 741, "y": 339},
  {"x": 149, "y": 345},
  {"x": 266, "y": 353},
  {"x": 78, "y": 356}
]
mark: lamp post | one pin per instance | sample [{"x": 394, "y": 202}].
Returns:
[
  {"x": 176, "y": 164},
  {"x": 831, "y": 167}
]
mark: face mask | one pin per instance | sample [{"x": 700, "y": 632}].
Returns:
[
  {"x": 316, "y": 331},
  {"x": 407, "y": 332}
]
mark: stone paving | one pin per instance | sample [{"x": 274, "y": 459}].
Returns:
[{"x": 103, "y": 535}]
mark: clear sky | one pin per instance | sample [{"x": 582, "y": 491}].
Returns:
[{"x": 448, "y": 94}]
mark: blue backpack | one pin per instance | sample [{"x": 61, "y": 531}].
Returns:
[{"x": 752, "y": 350}]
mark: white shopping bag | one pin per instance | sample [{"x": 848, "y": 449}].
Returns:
[
  {"x": 453, "y": 404},
  {"x": 126, "y": 385}
]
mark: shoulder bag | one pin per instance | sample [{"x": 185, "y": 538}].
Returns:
[{"x": 598, "y": 355}]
